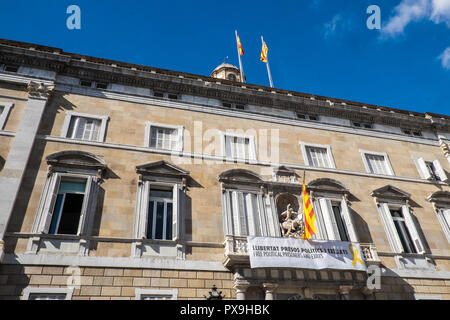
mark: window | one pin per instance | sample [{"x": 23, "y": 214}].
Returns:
[
  {"x": 68, "y": 207},
  {"x": 84, "y": 127},
  {"x": 11, "y": 68},
  {"x": 431, "y": 170},
  {"x": 318, "y": 156},
  {"x": 160, "y": 208},
  {"x": 47, "y": 293},
  {"x": 5, "y": 108},
  {"x": 412, "y": 132},
  {"x": 101, "y": 85},
  {"x": 443, "y": 214},
  {"x": 164, "y": 137},
  {"x": 377, "y": 163},
  {"x": 237, "y": 146},
  {"x": 246, "y": 213},
  {"x": 158, "y": 94},
  {"x": 307, "y": 117},
  {"x": 151, "y": 294},
  {"x": 69, "y": 197},
  {"x": 85, "y": 83},
  {"x": 334, "y": 220},
  {"x": 160, "y": 213},
  {"x": 398, "y": 220},
  {"x": 233, "y": 106},
  {"x": 402, "y": 231},
  {"x": 363, "y": 125},
  {"x": 231, "y": 77},
  {"x": 173, "y": 96}
]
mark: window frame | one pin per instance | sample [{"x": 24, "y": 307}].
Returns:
[
  {"x": 180, "y": 135},
  {"x": 5, "y": 113},
  {"x": 305, "y": 145},
  {"x": 252, "y": 155},
  {"x": 103, "y": 124},
  {"x": 47, "y": 291},
  {"x": 387, "y": 162},
  {"x": 156, "y": 292},
  {"x": 439, "y": 172},
  {"x": 440, "y": 209}
]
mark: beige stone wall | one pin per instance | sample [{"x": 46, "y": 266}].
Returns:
[
  {"x": 204, "y": 222},
  {"x": 113, "y": 283},
  {"x": 406, "y": 289}
]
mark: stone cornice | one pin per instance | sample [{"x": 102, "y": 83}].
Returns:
[{"x": 104, "y": 70}]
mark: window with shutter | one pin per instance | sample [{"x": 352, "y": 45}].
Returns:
[
  {"x": 69, "y": 197},
  {"x": 5, "y": 108},
  {"x": 238, "y": 147},
  {"x": 84, "y": 127},
  {"x": 247, "y": 215},
  {"x": 164, "y": 137},
  {"x": 377, "y": 163}
]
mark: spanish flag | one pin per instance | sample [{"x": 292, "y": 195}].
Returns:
[
  {"x": 264, "y": 52},
  {"x": 310, "y": 217},
  {"x": 241, "y": 51}
]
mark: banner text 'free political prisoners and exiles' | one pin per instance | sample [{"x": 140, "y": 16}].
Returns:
[{"x": 298, "y": 253}]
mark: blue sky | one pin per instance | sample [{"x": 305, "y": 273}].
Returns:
[{"x": 315, "y": 46}]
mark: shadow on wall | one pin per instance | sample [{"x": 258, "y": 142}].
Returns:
[
  {"x": 56, "y": 104},
  {"x": 2, "y": 163}
]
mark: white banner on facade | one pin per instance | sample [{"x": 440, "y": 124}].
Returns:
[{"x": 304, "y": 254}]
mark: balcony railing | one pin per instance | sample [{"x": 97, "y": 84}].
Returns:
[{"x": 236, "y": 251}]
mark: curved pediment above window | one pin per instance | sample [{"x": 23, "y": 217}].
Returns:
[
  {"x": 440, "y": 197},
  {"x": 76, "y": 159},
  {"x": 162, "y": 170},
  {"x": 390, "y": 192},
  {"x": 328, "y": 185},
  {"x": 240, "y": 175}
]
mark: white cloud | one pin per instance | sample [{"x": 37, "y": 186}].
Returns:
[
  {"x": 445, "y": 58},
  {"x": 338, "y": 22},
  {"x": 406, "y": 12},
  {"x": 441, "y": 11},
  {"x": 416, "y": 10}
]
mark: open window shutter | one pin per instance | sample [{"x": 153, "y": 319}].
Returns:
[
  {"x": 89, "y": 205},
  {"x": 143, "y": 209},
  {"x": 446, "y": 216},
  {"x": 412, "y": 228},
  {"x": 440, "y": 171},
  {"x": 328, "y": 218},
  {"x": 49, "y": 206},
  {"x": 390, "y": 229},
  {"x": 243, "y": 227},
  {"x": 424, "y": 169},
  {"x": 349, "y": 222},
  {"x": 320, "y": 226},
  {"x": 176, "y": 212}
]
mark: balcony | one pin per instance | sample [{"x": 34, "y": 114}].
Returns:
[{"x": 236, "y": 252}]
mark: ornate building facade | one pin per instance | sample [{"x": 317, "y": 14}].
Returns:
[{"x": 121, "y": 181}]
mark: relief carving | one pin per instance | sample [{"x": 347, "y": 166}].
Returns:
[{"x": 292, "y": 225}]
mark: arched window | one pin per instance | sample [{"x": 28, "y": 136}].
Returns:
[
  {"x": 334, "y": 220},
  {"x": 69, "y": 197},
  {"x": 247, "y": 206}
]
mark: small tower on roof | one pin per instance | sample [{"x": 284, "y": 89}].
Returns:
[{"x": 227, "y": 71}]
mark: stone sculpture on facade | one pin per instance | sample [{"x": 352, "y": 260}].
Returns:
[{"x": 292, "y": 225}]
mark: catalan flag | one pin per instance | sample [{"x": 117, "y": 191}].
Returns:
[
  {"x": 240, "y": 49},
  {"x": 310, "y": 217},
  {"x": 264, "y": 51}
]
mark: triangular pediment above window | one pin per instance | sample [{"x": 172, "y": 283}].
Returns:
[
  {"x": 440, "y": 197},
  {"x": 390, "y": 192},
  {"x": 76, "y": 159},
  {"x": 240, "y": 175},
  {"x": 161, "y": 168},
  {"x": 284, "y": 174},
  {"x": 328, "y": 185}
]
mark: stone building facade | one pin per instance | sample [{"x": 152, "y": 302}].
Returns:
[{"x": 121, "y": 181}]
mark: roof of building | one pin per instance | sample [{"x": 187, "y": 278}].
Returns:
[{"x": 63, "y": 56}]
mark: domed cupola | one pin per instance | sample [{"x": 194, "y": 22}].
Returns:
[{"x": 227, "y": 71}]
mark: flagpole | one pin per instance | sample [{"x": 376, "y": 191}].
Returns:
[
  {"x": 239, "y": 57},
  {"x": 268, "y": 68}
]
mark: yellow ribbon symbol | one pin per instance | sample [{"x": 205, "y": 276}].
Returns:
[{"x": 354, "y": 251}]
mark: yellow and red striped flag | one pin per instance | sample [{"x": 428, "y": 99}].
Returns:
[
  {"x": 241, "y": 50},
  {"x": 310, "y": 217},
  {"x": 264, "y": 51}
]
